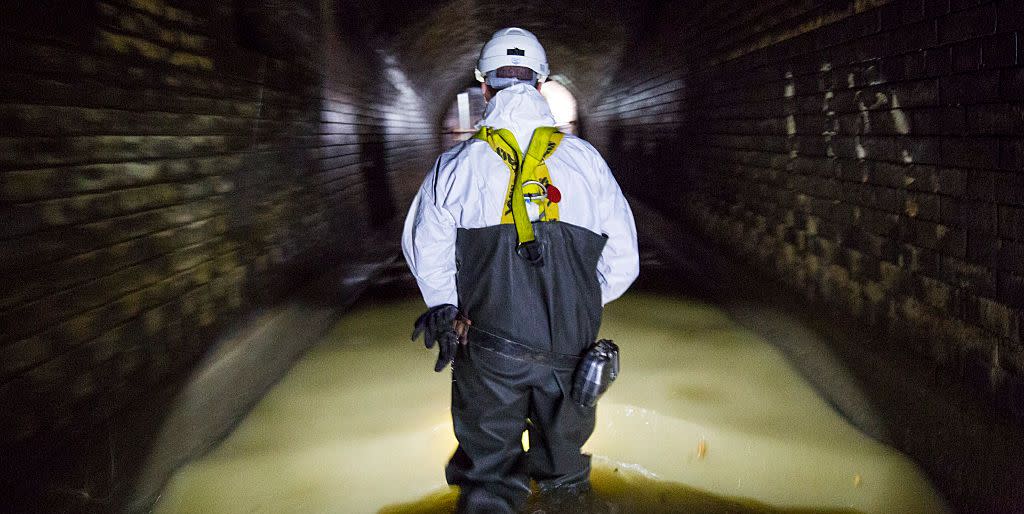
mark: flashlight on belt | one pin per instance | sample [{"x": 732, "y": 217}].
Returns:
[{"x": 595, "y": 373}]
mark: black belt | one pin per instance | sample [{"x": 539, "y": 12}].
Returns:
[{"x": 484, "y": 339}]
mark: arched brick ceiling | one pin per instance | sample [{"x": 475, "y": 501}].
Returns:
[{"x": 436, "y": 42}]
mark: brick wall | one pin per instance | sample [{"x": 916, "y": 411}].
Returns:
[
  {"x": 166, "y": 167},
  {"x": 869, "y": 154}
]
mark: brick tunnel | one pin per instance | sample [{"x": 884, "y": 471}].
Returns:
[{"x": 194, "y": 192}]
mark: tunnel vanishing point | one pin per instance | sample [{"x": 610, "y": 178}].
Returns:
[{"x": 192, "y": 190}]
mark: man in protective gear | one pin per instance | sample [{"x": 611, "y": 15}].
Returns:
[{"x": 517, "y": 238}]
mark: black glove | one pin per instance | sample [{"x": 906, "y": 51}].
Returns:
[{"x": 437, "y": 326}]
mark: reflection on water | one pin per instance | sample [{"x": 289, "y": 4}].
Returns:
[
  {"x": 620, "y": 491},
  {"x": 362, "y": 423}
]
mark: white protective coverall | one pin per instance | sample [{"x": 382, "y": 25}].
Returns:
[
  {"x": 468, "y": 184},
  {"x": 461, "y": 254}
]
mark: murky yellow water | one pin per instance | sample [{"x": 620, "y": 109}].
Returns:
[
  {"x": 620, "y": 491},
  {"x": 706, "y": 417}
]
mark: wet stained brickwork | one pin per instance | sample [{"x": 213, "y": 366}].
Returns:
[
  {"x": 866, "y": 153},
  {"x": 166, "y": 168}
]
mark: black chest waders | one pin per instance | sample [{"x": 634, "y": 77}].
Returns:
[{"x": 598, "y": 367}]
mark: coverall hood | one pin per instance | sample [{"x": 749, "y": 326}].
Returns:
[{"x": 520, "y": 109}]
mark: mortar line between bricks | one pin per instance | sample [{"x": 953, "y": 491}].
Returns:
[
  {"x": 125, "y": 266},
  {"x": 112, "y": 271},
  {"x": 72, "y": 314},
  {"x": 340, "y": 178},
  {"x": 193, "y": 179},
  {"x": 319, "y": 119},
  {"x": 143, "y": 160},
  {"x": 212, "y": 259},
  {"x": 894, "y": 160},
  {"x": 613, "y": 116},
  {"x": 262, "y": 126},
  {"x": 651, "y": 84},
  {"x": 712, "y": 60},
  {"x": 66, "y": 349},
  {"x": 335, "y": 145},
  {"x": 161, "y": 19},
  {"x": 816, "y": 53},
  {"x": 179, "y": 94},
  {"x": 170, "y": 47},
  {"x": 630, "y": 89},
  {"x": 17, "y": 101},
  {"x": 328, "y": 173},
  {"x": 129, "y": 59},
  {"x": 232, "y": 82},
  {"x": 411, "y": 147},
  {"x": 116, "y": 242},
  {"x": 63, "y": 259},
  {"x": 189, "y": 178},
  {"x": 654, "y": 106},
  {"x": 143, "y": 85},
  {"x": 327, "y": 85}
]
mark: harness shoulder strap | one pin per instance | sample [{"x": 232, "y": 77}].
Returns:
[{"x": 525, "y": 168}]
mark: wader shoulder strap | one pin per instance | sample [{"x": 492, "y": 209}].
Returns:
[{"x": 527, "y": 171}]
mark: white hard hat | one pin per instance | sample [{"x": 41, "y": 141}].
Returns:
[{"x": 513, "y": 47}]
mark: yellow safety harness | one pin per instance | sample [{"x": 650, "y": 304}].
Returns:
[{"x": 526, "y": 172}]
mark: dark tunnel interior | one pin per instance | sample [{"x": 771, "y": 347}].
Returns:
[{"x": 194, "y": 191}]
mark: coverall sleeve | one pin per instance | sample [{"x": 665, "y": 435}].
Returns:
[
  {"x": 428, "y": 243},
  {"x": 619, "y": 264}
]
